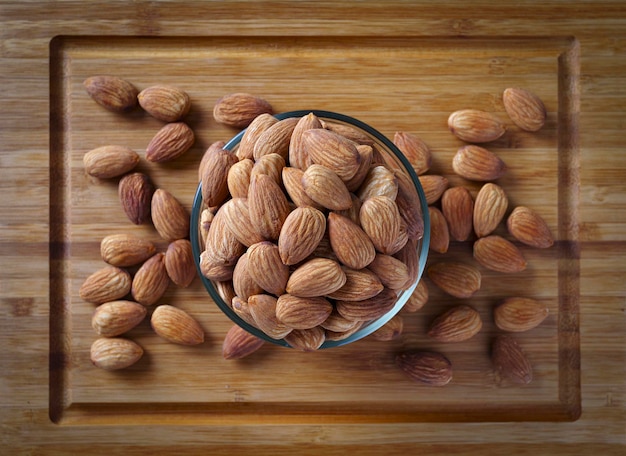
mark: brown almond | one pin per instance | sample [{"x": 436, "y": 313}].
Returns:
[
  {"x": 379, "y": 181},
  {"x": 457, "y": 324},
  {"x": 164, "y": 102},
  {"x": 439, "y": 232},
  {"x": 517, "y": 314},
  {"x": 222, "y": 245},
  {"x": 214, "y": 147},
  {"x": 490, "y": 206},
  {"x": 342, "y": 335},
  {"x": 393, "y": 273},
  {"x": 366, "y": 155},
  {"x": 266, "y": 268},
  {"x": 238, "y": 110},
  {"x": 430, "y": 368},
  {"x": 316, "y": 277},
  {"x": 106, "y": 162},
  {"x": 114, "y": 318},
  {"x": 179, "y": 263},
  {"x": 276, "y": 139},
  {"x": 457, "y": 279},
  {"x": 236, "y": 214},
  {"x": 390, "y": 330},
  {"x": 150, "y": 281},
  {"x": 169, "y": 216},
  {"x": 260, "y": 123},
  {"x": 242, "y": 309},
  {"x": 238, "y": 179},
  {"x": 433, "y": 186},
  {"x": 123, "y": 250},
  {"x": 338, "y": 323},
  {"x": 114, "y": 353},
  {"x": 176, "y": 326},
  {"x": 349, "y": 242},
  {"x": 215, "y": 177},
  {"x": 326, "y": 188},
  {"x": 457, "y": 207},
  {"x": 106, "y": 284},
  {"x": 214, "y": 269},
  {"x": 409, "y": 206},
  {"x": 368, "y": 309},
  {"x": 524, "y": 108},
  {"x": 353, "y": 212},
  {"x": 510, "y": 361},
  {"x": 478, "y": 164},
  {"x": 381, "y": 220},
  {"x": 135, "y": 192},
  {"x": 298, "y": 156},
  {"x": 225, "y": 290},
  {"x": 111, "y": 92},
  {"x": 243, "y": 283},
  {"x": 206, "y": 217},
  {"x": 271, "y": 164},
  {"x": 360, "y": 284},
  {"x": 302, "y": 313},
  {"x": 475, "y": 126},
  {"x": 292, "y": 180},
  {"x": 263, "y": 310},
  {"x": 267, "y": 205},
  {"x": 415, "y": 150},
  {"x": 300, "y": 235},
  {"x": 498, "y": 254},
  {"x": 170, "y": 142},
  {"x": 332, "y": 151},
  {"x": 239, "y": 343},
  {"x": 306, "y": 340},
  {"x": 528, "y": 227}
]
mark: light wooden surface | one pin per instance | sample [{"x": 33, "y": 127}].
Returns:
[{"x": 191, "y": 401}]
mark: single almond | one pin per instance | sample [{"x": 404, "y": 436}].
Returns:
[
  {"x": 517, "y": 314},
  {"x": 325, "y": 187},
  {"x": 214, "y": 147},
  {"x": 276, "y": 139},
  {"x": 135, "y": 192},
  {"x": 263, "y": 310},
  {"x": 292, "y": 180},
  {"x": 236, "y": 214},
  {"x": 111, "y": 92},
  {"x": 392, "y": 273},
  {"x": 260, "y": 123},
  {"x": 390, "y": 330},
  {"x": 524, "y": 108},
  {"x": 379, "y": 181},
  {"x": 114, "y": 353},
  {"x": 457, "y": 279},
  {"x": 439, "y": 232},
  {"x": 164, "y": 102},
  {"x": 498, "y": 254},
  {"x": 426, "y": 367},
  {"x": 478, "y": 164},
  {"x": 179, "y": 263},
  {"x": 415, "y": 150},
  {"x": 298, "y": 156},
  {"x": 176, "y": 326},
  {"x": 306, "y": 340},
  {"x": 268, "y": 206},
  {"x": 238, "y": 179},
  {"x": 114, "y": 318},
  {"x": 381, "y": 220},
  {"x": 490, "y": 206},
  {"x": 457, "y": 207},
  {"x": 222, "y": 246},
  {"x": 433, "y": 186},
  {"x": 302, "y": 313},
  {"x": 316, "y": 277},
  {"x": 123, "y": 250},
  {"x": 510, "y": 361},
  {"x": 528, "y": 227},
  {"x": 150, "y": 281},
  {"x": 360, "y": 284},
  {"x": 271, "y": 164},
  {"x": 266, "y": 268},
  {"x": 333, "y": 151},
  {"x": 352, "y": 246},
  {"x": 106, "y": 284},
  {"x": 106, "y": 162},
  {"x": 300, "y": 235},
  {"x": 238, "y": 110},
  {"x": 215, "y": 177},
  {"x": 169, "y": 216},
  {"x": 475, "y": 126},
  {"x": 214, "y": 269},
  {"x": 368, "y": 309},
  {"x": 239, "y": 343},
  {"x": 366, "y": 155},
  {"x": 243, "y": 283},
  {"x": 170, "y": 142},
  {"x": 457, "y": 324}
]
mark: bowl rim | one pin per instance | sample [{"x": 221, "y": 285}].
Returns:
[{"x": 423, "y": 247}]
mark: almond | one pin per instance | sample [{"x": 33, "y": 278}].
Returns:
[
  {"x": 292, "y": 180},
  {"x": 268, "y": 206},
  {"x": 415, "y": 150},
  {"x": 106, "y": 162},
  {"x": 475, "y": 126},
  {"x": 123, "y": 250},
  {"x": 478, "y": 164},
  {"x": 176, "y": 326},
  {"x": 457, "y": 207},
  {"x": 409, "y": 206},
  {"x": 390, "y": 330},
  {"x": 326, "y": 188},
  {"x": 332, "y": 151},
  {"x": 381, "y": 220},
  {"x": 117, "y": 317},
  {"x": 430, "y": 368},
  {"x": 225, "y": 290},
  {"x": 360, "y": 284},
  {"x": 316, "y": 277},
  {"x": 354, "y": 134},
  {"x": 306, "y": 340},
  {"x": 490, "y": 206},
  {"x": 338, "y": 323},
  {"x": 179, "y": 263},
  {"x": 214, "y": 269},
  {"x": 236, "y": 214},
  {"x": 302, "y": 313},
  {"x": 170, "y": 142},
  {"x": 239, "y": 343},
  {"x": 106, "y": 284},
  {"x": 215, "y": 177},
  {"x": 214, "y": 147},
  {"x": 266, "y": 268},
  {"x": 238, "y": 110},
  {"x": 276, "y": 139},
  {"x": 298, "y": 156},
  {"x": 150, "y": 281},
  {"x": 418, "y": 298},
  {"x": 457, "y": 279},
  {"x": 349, "y": 242},
  {"x": 166, "y": 103},
  {"x": 135, "y": 191},
  {"x": 510, "y": 361},
  {"x": 393, "y": 273},
  {"x": 238, "y": 179},
  {"x": 270, "y": 164},
  {"x": 242, "y": 309},
  {"x": 496, "y": 253},
  {"x": 260, "y": 123},
  {"x": 222, "y": 245},
  {"x": 433, "y": 186},
  {"x": 300, "y": 235},
  {"x": 519, "y": 314},
  {"x": 456, "y": 324},
  {"x": 368, "y": 309},
  {"x": 263, "y": 310},
  {"x": 114, "y": 353},
  {"x": 243, "y": 283},
  {"x": 439, "y": 233},
  {"x": 169, "y": 216},
  {"x": 379, "y": 181},
  {"x": 524, "y": 108},
  {"x": 530, "y": 228},
  {"x": 113, "y": 93}
]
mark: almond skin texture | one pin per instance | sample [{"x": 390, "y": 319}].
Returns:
[
  {"x": 518, "y": 314},
  {"x": 326, "y": 188},
  {"x": 393, "y": 273},
  {"x": 379, "y": 181},
  {"x": 360, "y": 284},
  {"x": 457, "y": 207},
  {"x": 306, "y": 340},
  {"x": 239, "y": 343},
  {"x": 179, "y": 263},
  {"x": 478, "y": 164},
  {"x": 439, "y": 232},
  {"x": 222, "y": 246},
  {"x": 333, "y": 151},
  {"x": 236, "y": 215},
  {"x": 263, "y": 310},
  {"x": 256, "y": 128},
  {"x": 300, "y": 235},
  {"x": 169, "y": 216},
  {"x": 530, "y": 228},
  {"x": 268, "y": 206},
  {"x": 302, "y": 313},
  {"x": 496, "y": 253},
  {"x": 349, "y": 242},
  {"x": 106, "y": 162},
  {"x": 368, "y": 309},
  {"x": 170, "y": 142},
  {"x": 150, "y": 281},
  {"x": 215, "y": 177},
  {"x": 276, "y": 139},
  {"x": 117, "y": 317},
  {"x": 292, "y": 180},
  {"x": 510, "y": 361},
  {"x": 524, "y": 108},
  {"x": 366, "y": 155},
  {"x": 433, "y": 186},
  {"x": 316, "y": 277},
  {"x": 238, "y": 179},
  {"x": 457, "y": 279},
  {"x": 135, "y": 191},
  {"x": 415, "y": 150},
  {"x": 176, "y": 326},
  {"x": 430, "y": 368},
  {"x": 123, "y": 250},
  {"x": 106, "y": 284},
  {"x": 456, "y": 325},
  {"x": 298, "y": 156},
  {"x": 271, "y": 164},
  {"x": 489, "y": 208},
  {"x": 243, "y": 283},
  {"x": 238, "y": 110},
  {"x": 214, "y": 147},
  {"x": 266, "y": 268},
  {"x": 113, "y": 93},
  {"x": 214, "y": 269},
  {"x": 166, "y": 103},
  {"x": 381, "y": 220},
  {"x": 475, "y": 126},
  {"x": 115, "y": 353}
]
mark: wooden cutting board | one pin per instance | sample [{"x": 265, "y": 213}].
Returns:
[{"x": 404, "y": 71}]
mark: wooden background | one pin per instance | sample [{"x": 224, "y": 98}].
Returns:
[{"x": 33, "y": 153}]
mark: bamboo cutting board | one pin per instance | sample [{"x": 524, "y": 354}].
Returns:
[{"x": 399, "y": 80}]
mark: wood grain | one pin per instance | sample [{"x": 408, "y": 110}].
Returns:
[{"x": 437, "y": 58}]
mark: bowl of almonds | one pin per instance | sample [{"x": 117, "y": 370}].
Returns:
[{"x": 309, "y": 228}]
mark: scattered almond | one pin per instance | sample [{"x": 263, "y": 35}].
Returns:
[
  {"x": 135, "y": 192},
  {"x": 176, "y": 326},
  {"x": 430, "y": 368},
  {"x": 529, "y": 227},
  {"x": 106, "y": 162},
  {"x": 179, "y": 263},
  {"x": 475, "y": 126},
  {"x": 439, "y": 232},
  {"x": 433, "y": 186},
  {"x": 106, "y": 284},
  {"x": 517, "y": 314},
  {"x": 490, "y": 206},
  {"x": 238, "y": 110},
  {"x": 123, "y": 250},
  {"x": 117, "y": 317},
  {"x": 111, "y": 92},
  {"x": 115, "y": 353},
  {"x": 169, "y": 216},
  {"x": 457, "y": 324},
  {"x": 524, "y": 108},
  {"x": 166, "y": 103},
  {"x": 496, "y": 253},
  {"x": 510, "y": 361},
  {"x": 150, "y": 281},
  {"x": 478, "y": 164},
  {"x": 170, "y": 142},
  {"x": 457, "y": 207},
  {"x": 457, "y": 279},
  {"x": 239, "y": 343}
]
